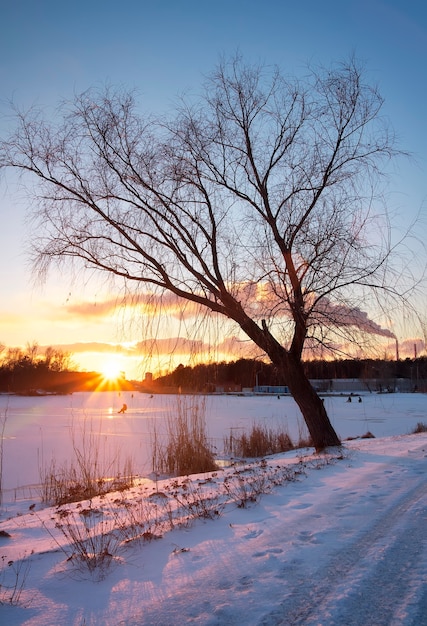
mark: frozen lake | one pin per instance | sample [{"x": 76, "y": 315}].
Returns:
[{"x": 38, "y": 430}]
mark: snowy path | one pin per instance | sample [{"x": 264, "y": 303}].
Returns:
[
  {"x": 357, "y": 556},
  {"x": 378, "y": 579}
]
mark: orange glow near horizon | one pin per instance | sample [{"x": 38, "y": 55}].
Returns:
[{"x": 115, "y": 366}]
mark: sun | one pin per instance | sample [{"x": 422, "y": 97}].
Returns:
[{"x": 111, "y": 370}]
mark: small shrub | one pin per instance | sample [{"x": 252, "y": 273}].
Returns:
[
  {"x": 92, "y": 539},
  {"x": 142, "y": 519},
  {"x": 368, "y": 435},
  {"x": 247, "y": 485},
  {"x": 194, "y": 502},
  {"x": 245, "y": 489},
  {"x": 421, "y": 427},
  {"x": 13, "y": 576}
]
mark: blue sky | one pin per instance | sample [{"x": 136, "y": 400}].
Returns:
[{"x": 51, "y": 50}]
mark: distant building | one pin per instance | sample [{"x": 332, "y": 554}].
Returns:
[
  {"x": 276, "y": 389},
  {"x": 358, "y": 385}
]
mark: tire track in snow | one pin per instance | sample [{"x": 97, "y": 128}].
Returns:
[{"x": 378, "y": 580}]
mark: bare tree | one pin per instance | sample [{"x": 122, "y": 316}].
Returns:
[{"x": 255, "y": 202}]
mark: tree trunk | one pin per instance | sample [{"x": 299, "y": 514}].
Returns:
[
  {"x": 312, "y": 408},
  {"x": 289, "y": 364}
]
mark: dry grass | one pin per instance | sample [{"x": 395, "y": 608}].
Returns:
[
  {"x": 248, "y": 484},
  {"x": 261, "y": 441},
  {"x": 3, "y": 420},
  {"x": 185, "y": 448},
  {"x": 195, "y": 503},
  {"x": 67, "y": 483},
  {"x": 98, "y": 532},
  {"x": 93, "y": 471},
  {"x": 421, "y": 427}
]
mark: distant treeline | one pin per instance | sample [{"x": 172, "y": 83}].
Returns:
[
  {"x": 28, "y": 372},
  {"x": 251, "y": 373}
]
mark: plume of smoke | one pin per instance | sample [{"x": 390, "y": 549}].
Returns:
[{"x": 344, "y": 316}]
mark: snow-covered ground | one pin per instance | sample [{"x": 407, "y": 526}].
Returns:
[{"x": 333, "y": 539}]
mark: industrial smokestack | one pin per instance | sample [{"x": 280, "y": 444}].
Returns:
[{"x": 397, "y": 350}]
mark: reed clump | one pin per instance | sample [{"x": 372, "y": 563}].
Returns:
[
  {"x": 185, "y": 448},
  {"x": 260, "y": 441},
  {"x": 421, "y": 427}
]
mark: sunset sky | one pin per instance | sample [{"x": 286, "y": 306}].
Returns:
[{"x": 51, "y": 50}]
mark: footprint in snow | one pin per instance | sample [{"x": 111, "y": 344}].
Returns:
[
  {"x": 262, "y": 553},
  {"x": 253, "y": 534},
  {"x": 245, "y": 581}
]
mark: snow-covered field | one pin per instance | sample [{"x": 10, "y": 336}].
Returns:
[{"x": 332, "y": 539}]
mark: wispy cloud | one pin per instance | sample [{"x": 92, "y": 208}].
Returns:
[
  {"x": 259, "y": 299},
  {"x": 171, "y": 345},
  {"x": 148, "y": 304},
  {"x": 92, "y": 309},
  {"x": 232, "y": 346},
  {"x": 93, "y": 346}
]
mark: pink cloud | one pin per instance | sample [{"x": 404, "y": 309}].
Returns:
[{"x": 151, "y": 304}]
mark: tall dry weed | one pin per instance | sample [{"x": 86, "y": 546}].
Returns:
[
  {"x": 95, "y": 469},
  {"x": 184, "y": 448}
]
